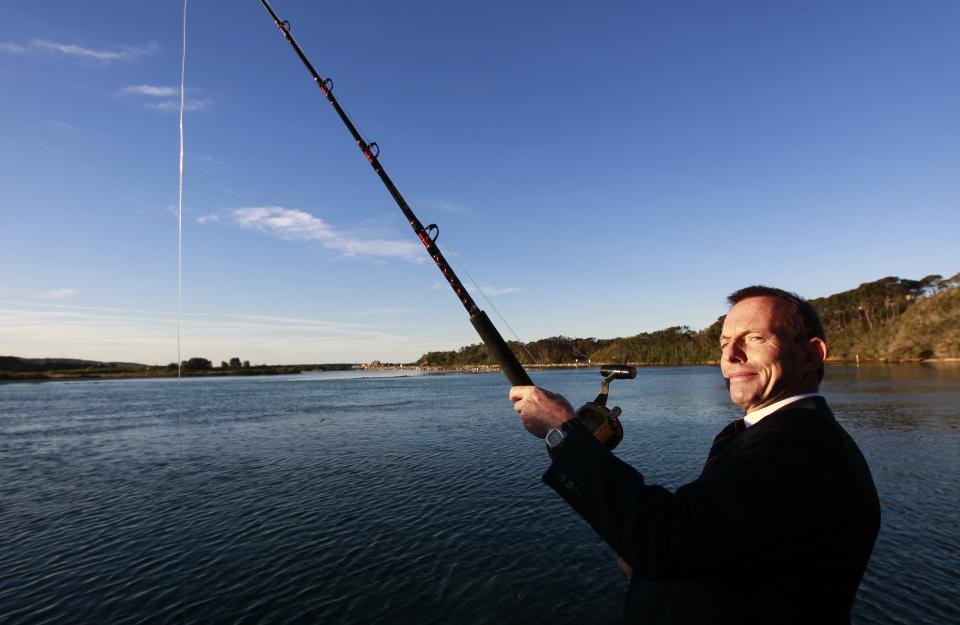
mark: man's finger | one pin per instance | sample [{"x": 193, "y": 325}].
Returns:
[{"x": 520, "y": 392}]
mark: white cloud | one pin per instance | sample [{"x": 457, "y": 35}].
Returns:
[
  {"x": 151, "y": 90},
  {"x": 12, "y": 48},
  {"x": 495, "y": 290},
  {"x": 296, "y": 225},
  {"x": 210, "y": 160},
  {"x": 124, "y": 53},
  {"x": 489, "y": 291},
  {"x": 174, "y": 105},
  {"x": 59, "y": 293},
  {"x": 380, "y": 311},
  {"x": 172, "y": 95},
  {"x": 448, "y": 206},
  {"x": 208, "y": 219}
]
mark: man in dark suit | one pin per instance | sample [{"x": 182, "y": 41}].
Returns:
[{"x": 778, "y": 527}]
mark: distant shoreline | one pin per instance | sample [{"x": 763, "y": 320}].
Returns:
[
  {"x": 59, "y": 376},
  {"x": 91, "y": 376},
  {"x": 149, "y": 373}
]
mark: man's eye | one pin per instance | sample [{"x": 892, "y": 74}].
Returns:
[
  {"x": 756, "y": 339},
  {"x": 723, "y": 345}
]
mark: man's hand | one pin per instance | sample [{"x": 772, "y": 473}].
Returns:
[{"x": 540, "y": 410}]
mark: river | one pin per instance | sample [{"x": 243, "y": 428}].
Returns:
[{"x": 335, "y": 498}]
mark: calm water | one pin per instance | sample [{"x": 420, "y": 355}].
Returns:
[{"x": 329, "y": 499}]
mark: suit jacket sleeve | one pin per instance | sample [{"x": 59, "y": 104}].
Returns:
[{"x": 768, "y": 501}]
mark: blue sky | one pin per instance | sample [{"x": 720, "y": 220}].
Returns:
[{"x": 601, "y": 169}]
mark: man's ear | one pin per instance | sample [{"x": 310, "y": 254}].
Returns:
[{"x": 816, "y": 353}]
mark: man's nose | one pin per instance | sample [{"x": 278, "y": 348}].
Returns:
[{"x": 732, "y": 352}]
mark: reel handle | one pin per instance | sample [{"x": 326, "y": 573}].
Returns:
[{"x": 618, "y": 372}]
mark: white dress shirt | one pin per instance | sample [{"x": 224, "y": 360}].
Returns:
[{"x": 751, "y": 418}]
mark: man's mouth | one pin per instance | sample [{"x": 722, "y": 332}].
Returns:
[{"x": 740, "y": 375}]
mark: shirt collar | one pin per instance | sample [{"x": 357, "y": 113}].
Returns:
[{"x": 752, "y": 418}]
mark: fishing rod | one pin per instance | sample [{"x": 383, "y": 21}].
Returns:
[
  {"x": 600, "y": 420},
  {"x": 489, "y": 334}
]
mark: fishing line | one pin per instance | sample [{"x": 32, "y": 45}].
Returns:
[
  {"x": 448, "y": 252},
  {"x": 183, "y": 68},
  {"x": 183, "y": 71}
]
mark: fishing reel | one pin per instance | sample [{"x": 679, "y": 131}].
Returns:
[{"x": 603, "y": 422}]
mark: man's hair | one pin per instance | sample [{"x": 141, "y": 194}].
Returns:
[{"x": 799, "y": 316}]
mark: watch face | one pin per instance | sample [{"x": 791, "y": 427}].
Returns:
[{"x": 555, "y": 436}]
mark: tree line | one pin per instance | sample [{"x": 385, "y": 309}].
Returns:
[
  {"x": 858, "y": 322},
  {"x": 203, "y": 364}
]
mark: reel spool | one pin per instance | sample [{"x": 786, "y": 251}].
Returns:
[{"x": 603, "y": 422}]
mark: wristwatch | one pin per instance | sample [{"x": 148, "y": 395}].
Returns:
[{"x": 556, "y": 436}]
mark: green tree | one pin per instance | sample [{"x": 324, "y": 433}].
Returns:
[{"x": 197, "y": 364}]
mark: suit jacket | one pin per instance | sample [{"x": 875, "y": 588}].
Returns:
[{"x": 777, "y": 529}]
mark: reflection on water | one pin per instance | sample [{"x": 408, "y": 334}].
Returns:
[
  {"x": 907, "y": 421},
  {"x": 357, "y": 499},
  {"x": 901, "y": 377},
  {"x": 901, "y": 396}
]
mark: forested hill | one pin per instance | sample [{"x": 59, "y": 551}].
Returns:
[
  {"x": 894, "y": 319},
  {"x": 891, "y": 319},
  {"x": 13, "y": 363}
]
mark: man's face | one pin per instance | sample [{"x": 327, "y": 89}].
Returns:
[{"x": 760, "y": 361}]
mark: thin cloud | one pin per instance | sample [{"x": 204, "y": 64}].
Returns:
[
  {"x": 380, "y": 311},
  {"x": 208, "y": 219},
  {"x": 174, "y": 105},
  {"x": 151, "y": 90},
  {"x": 172, "y": 95},
  {"x": 124, "y": 53},
  {"x": 296, "y": 225},
  {"x": 489, "y": 291},
  {"x": 12, "y": 48},
  {"x": 271, "y": 322},
  {"x": 210, "y": 160},
  {"x": 59, "y": 293},
  {"x": 62, "y": 128},
  {"x": 150, "y": 336},
  {"x": 448, "y": 206},
  {"x": 494, "y": 290}
]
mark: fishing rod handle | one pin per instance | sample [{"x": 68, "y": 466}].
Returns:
[{"x": 499, "y": 350}]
